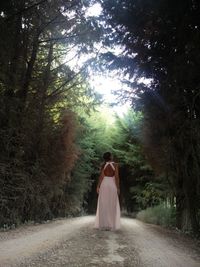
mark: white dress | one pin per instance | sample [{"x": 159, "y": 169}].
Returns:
[{"x": 108, "y": 208}]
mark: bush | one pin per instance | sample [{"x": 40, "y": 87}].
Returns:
[{"x": 161, "y": 214}]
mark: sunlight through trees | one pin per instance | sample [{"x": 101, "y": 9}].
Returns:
[{"x": 55, "y": 123}]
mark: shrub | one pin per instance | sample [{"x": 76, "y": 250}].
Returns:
[{"x": 161, "y": 214}]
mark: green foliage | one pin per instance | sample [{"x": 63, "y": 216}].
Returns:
[
  {"x": 38, "y": 92},
  {"x": 161, "y": 44},
  {"x": 140, "y": 186},
  {"x": 161, "y": 214},
  {"x": 50, "y": 149},
  {"x": 81, "y": 177},
  {"x": 150, "y": 194},
  {"x": 121, "y": 136},
  {"x": 94, "y": 139},
  {"x": 127, "y": 137}
]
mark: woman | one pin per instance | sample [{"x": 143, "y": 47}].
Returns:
[{"x": 108, "y": 209}]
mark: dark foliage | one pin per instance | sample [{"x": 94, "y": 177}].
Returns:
[
  {"x": 161, "y": 42},
  {"x": 38, "y": 132}
]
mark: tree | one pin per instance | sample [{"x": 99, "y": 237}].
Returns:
[
  {"x": 161, "y": 44},
  {"x": 141, "y": 187},
  {"x": 39, "y": 95}
]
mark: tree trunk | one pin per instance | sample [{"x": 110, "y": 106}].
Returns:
[
  {"x": 14, "y": 61},
  {"x": 192, "y": 202},
  {"x": 183, "y": 220},
  {"x": 22, "y": 93},
  {"x": 182, "y": 215},
  {"x": 12, "y": 69},
  {"x": 44, "y": 88}
]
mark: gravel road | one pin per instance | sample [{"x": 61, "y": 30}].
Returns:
[{"x": 74, "y": 242}]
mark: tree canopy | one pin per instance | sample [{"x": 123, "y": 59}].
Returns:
[
  {"x": 52, "y": 136},
  {"x": 161, "y": 45}
]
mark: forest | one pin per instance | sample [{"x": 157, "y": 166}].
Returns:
[{"x": 54, "y": 126}]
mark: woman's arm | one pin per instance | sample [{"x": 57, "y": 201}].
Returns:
[
  {"x": 117, "y": 177},
  {"x": 100, "y": 180}
]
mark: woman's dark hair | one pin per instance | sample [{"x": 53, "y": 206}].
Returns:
[{"x": 107, "y": 156}]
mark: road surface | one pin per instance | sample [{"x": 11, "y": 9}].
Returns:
[{"x": 74, "y": 242}]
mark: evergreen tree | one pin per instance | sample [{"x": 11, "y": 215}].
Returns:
[
  {"x": 161, "y": 43},
  {"x": 38, "y": 92}
]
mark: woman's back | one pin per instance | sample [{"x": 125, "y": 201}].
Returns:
[{"x": 109, "y": 169}]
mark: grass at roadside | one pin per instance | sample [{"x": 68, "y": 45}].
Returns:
[{"x": 161, "y": 215}]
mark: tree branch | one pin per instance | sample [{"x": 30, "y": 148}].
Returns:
[
  {"x": 23, "y": 10},
  {"x": 62, "y": 85}
]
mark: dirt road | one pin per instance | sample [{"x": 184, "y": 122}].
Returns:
[{"x": 74, "y": 242}]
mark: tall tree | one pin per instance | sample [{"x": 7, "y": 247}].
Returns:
[
  {"x": 161, "y": 41},
  {"x": 39, "y": 94}
]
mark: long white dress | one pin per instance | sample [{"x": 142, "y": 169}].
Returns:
[{"x": 108, "y": 208}]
